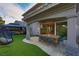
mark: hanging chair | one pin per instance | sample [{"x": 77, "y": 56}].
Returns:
[{"x": 6, "y": 37}]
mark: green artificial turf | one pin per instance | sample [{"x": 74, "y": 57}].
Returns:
[{"x": 19, "y": 48}]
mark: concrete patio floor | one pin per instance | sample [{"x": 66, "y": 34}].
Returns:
[{"x": 48, "y": 48}]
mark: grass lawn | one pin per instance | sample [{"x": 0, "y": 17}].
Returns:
[{"x": 19, "y": 48}]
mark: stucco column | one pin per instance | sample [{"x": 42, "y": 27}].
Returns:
[
  {"x": 71, "y": 32},
  {"x": 27, "y": 32},
  {"x": 77, "y": 27}
]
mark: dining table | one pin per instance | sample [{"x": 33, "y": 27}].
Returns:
[{"x": 51, "y": 36}]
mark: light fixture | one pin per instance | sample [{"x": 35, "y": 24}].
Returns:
[{"x": 64, "y": 25}]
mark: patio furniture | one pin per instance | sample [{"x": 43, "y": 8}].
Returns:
[
  {"x": 52, "y": 39},
  {"x": 6, "y": 36},
  {"x": 43, "y": 38},
  {"x": 62, "y": 39}
]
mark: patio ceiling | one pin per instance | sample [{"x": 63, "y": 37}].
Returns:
[{"x": 58, "y": 11}]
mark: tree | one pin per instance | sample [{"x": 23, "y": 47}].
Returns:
[{"x": 1, "y": 21}]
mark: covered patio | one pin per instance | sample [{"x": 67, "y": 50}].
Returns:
[
  {"x": 40, "y": 39},
  {"x": 48, "y": 20}
]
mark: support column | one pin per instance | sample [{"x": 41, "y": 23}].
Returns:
[
  {"x": 27, "y": 32},
  {"x": 71, "y": 32},
  {"x": 77, "y": 27},
  {"x": 55, "y": 28}
]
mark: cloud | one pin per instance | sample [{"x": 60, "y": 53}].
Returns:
[{"x": 11, "y": 12}]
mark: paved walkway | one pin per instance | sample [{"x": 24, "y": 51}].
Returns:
[{"x": 50, "y": 49}]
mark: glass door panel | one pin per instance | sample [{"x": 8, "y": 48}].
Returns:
[{"x": 61, "y": 29}]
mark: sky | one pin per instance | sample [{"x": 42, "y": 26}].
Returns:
[{"x": 13, "y": 11}]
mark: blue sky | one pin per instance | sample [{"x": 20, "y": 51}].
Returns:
[
  {"x": 24, "y": 6},
  {"x": 11, "y": 12}
]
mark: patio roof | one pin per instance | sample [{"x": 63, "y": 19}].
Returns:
[{"x": 56, "y": 11}]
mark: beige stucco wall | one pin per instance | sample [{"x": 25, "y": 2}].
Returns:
[{"x": 35, "y": 28}]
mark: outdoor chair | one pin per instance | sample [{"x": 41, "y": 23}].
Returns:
[
  {"x": 50, "y": 40},
  {"x": 61, "y": 39},
  {"x": 47, "y": 40},
  {"x": 43, "y": 39}
]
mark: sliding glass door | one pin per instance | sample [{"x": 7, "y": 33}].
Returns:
[
  {"x": 47, "y": 28},
  {"x": 61, "y": 29}
]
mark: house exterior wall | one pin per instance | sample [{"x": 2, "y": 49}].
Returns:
[
  {"x": 35, "y": 28},
  {"x": 66, "y": 10}
]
